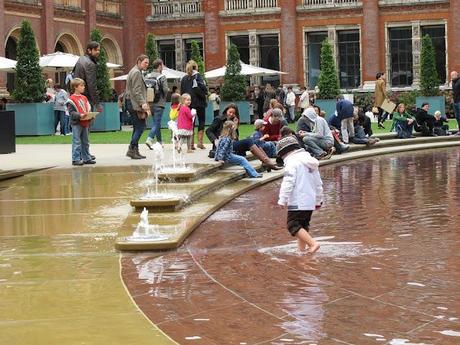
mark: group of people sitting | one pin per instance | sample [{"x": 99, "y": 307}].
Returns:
[
  {"x": 404, "y": 123},
  {"x": 313, "y": 133}
]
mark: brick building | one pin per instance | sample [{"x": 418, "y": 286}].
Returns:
[{"x": 368, "y": 35}]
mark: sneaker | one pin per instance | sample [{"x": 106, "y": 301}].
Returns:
[
  {"x": 92, "y": 157},
  {"x": 77, "y": 163},
  {"x": 149, "y": 143},
  {"x": 89, "y": 162}
]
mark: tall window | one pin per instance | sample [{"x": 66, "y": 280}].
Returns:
[
  {"x": 188, "y": 47},
  {"x": 438, "y": 36},
  {"x": 401, "y": 56},
  {"x": 314, "y": 40},
  {"x": 349, "y": 64},
  {"x": 11, "y": 53},
  {"x": 269, "y": 56},
  {"x": 242, "y": 43},
  {"x": 167, "y": 52}
]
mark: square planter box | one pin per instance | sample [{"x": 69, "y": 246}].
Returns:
[
  {"x": 33, "y": 118},
  {"x": 243, "y": 109},
  {"x": 327, "y": 105},
  {"x": 435, "y": 102},
  {"x": 108, "y": 120}
]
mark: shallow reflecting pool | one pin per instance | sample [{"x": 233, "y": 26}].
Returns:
[{"x": 388, "y": 271}]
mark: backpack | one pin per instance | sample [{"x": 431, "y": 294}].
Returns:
[{"x": 153, "y": 89}]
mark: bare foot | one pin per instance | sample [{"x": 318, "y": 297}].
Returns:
[{"x": 314, "y": 248}]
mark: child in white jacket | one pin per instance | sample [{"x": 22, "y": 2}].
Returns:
[{"x": 301, "y": 190}]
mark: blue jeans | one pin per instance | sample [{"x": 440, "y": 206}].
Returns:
[
  {"x": 59, "y": 117},
  {"x": 138, "y": 129},
  {"x": 457, "y": 113},
  {"x": 403, "y": 129},
  {"x": 317, "y": 145},
  {"x": 239, "y": 160},
  {"x": 268, "y": 146},
  {"x": 157, "y": 112},
  {"x": 67, "y": 124},
  {"x": 80, "y": 143}
]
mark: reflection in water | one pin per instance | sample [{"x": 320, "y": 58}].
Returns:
[{"x": 387, "y": 271}]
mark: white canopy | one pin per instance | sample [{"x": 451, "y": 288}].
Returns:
[
  {"x": 168, "y": 72},
  {"x": 245, "y": 70},
  {"x": 64, "y": 61},
  {"x": 7, "y": 65}
]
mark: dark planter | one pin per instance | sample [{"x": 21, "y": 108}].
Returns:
[
  {"x": 7, "y": 132},
  {"x": 108, "y": 120},
  {"x": 435, "y": 102},
  {"x": 327, "y": 105},
  {"x": 33, "y": 118}
]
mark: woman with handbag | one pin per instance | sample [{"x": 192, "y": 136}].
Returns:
[
  {"x": 193, "y": 84},
  {"x": 136, "y": 104}
]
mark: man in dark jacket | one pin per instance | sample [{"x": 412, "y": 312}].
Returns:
[
  {"x": 456, "y": 90},
  {"x": 425, "y": 121},
  {"x": 345, "y": 112},
  {"x": 86, "y": 69}
]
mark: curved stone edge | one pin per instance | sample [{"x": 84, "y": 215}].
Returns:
[{"x": 169, "y": 245}]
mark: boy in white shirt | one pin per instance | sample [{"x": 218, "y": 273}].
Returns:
[{"x": 301, "y": 190}]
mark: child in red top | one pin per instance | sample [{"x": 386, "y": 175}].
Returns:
[
  {"x": 79, "y": 107},
  {"x": 185, "y": 122}
]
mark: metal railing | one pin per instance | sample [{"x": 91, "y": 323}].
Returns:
[
  {"x": 31, "y": 2},
  {"x": 242, "y": 5},
  {"x": 408, "y": 2},
  {"x": 174, "y": 9},
  {"x": 111, "y": 7},
  {"x": 330, "y": 3}
]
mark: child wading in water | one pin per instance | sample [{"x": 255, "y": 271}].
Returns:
[
  {"x": 301, "y": 190},
  {"x": 224, "y": 151},
  {"x": 185, "y": 122},
  {"x": 78, "y": 107}
]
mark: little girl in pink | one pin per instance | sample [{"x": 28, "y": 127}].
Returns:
[{"x": 185, "y": 122}]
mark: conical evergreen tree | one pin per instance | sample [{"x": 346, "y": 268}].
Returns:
[
  {"x": 429, "y": 80},
  {"x": 196, "y": 56},
  {"x": 103, "y": 87},
  {"x": 234, "y": 86},
  {"x": 30, "y": 84},
  {"x": 328, "y": 82},
  {"x": 151, "y": 50}
]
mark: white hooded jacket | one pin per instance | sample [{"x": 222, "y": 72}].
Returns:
[{"x": 302, "y": 188}]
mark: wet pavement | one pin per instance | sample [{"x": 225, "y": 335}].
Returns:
[{"x": 388, "y": 271}]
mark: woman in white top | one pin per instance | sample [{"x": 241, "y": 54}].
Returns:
[
  {"x": 304, "y": 100},
  {"x": 214, "y": 98}
]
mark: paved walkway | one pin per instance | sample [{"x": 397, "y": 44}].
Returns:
[{"x": 59, "y": 155}]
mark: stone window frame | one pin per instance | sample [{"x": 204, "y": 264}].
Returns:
[
  {"x": 254, "y": 53},
  {"x": 416, "y": 26},
  {"x": 179, "y": 42},
  {"x": 332, "y": 35}
]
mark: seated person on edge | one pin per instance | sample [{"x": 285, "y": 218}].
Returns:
[
  {"x": 303, "y": 124},
  {"x": 441, "y": 126},
  {"x": 425, "y": 121},
  {"x": 273, "y": 125},
  {"x": 320, "y": 140},
  {"x": 403, "y": 122},
  {"x": 240, "y": 147},
  {"x": 360, "y": 136},
  {"x": 259, "y": 139}
]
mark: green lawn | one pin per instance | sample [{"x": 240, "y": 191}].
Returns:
[{"x": 124, "y": 137}]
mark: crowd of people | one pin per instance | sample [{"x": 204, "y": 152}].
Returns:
[{"x": 274, "y": 109}]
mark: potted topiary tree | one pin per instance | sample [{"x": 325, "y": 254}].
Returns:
[
  {"x": 328, "y": 82},
  {"x": 429, "y": 80},
  {"x": 234, "y": 87},
  {"x": 33, "y": 117},
  {"x": 109, "y": 119}
]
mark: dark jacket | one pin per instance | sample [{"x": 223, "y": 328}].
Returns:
[
  {"x": 198, "y": 93},
  {"x": 344, "y": 109},
  {"x": 85, "y": 69},
  {"x": 214, "y": 129},
  {"x": 456, "y": 90}
]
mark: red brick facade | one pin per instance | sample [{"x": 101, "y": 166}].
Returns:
[{"x": 214, "y": 21}]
